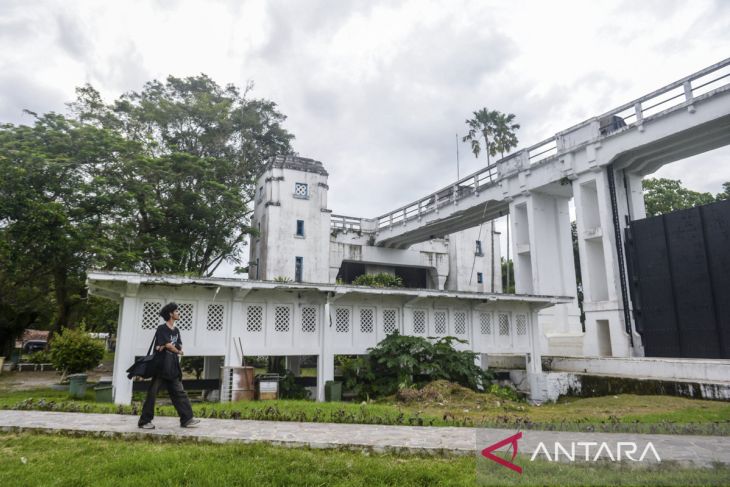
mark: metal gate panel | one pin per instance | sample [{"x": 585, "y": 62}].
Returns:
[
  {"x": 691, "y": 280},
  {"x": 679, "y": 266},
  {"x": 652, "y": 285},
  {"x": 716, "y": 219}
]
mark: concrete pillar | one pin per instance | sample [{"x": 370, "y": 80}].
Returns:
[
  {"x": 533, "y": 361},
  {"x": 603, "y": 306},
  {"x": 544, "y": 264},
  {"x": 234, "y": 331},
  {"x": 325, "y": 359},
  {"x": 124, "y": 354}
]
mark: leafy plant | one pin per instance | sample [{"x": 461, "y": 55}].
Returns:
[
  {"x": 289, "y": 389},
  {"x": 73, "y": 351},
  {"x": 40, "y": 357},
  {"x": 282, "y": 279},
  {"x": 504, "y": 392},
  {"x": 378, "y": 280},
  {"x": 401, "y": 361}
]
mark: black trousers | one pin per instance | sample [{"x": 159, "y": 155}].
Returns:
[{"x": 177, "y": 394}]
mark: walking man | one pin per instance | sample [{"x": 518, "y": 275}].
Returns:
[{"x": 168, "y": 344}]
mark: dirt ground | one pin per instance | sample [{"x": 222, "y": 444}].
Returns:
[{"x": 19, "y": 381}]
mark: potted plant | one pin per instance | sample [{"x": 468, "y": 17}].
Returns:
[{"x": 73, "y": 352}]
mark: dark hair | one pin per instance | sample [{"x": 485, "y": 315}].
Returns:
[{"x": 167, "y": 310}]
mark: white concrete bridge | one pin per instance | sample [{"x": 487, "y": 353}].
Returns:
[{"x": 600, "y": 163}]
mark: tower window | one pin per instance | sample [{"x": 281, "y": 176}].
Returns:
[
  {"x": 300, "y": 228},
  {"x": 301, "y": 190},
  {"x": 480, "y": 278},
  {"x": 478, "y": 250},
  {"x": 298, "y": 268}
]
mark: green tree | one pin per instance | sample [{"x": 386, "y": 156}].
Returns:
[
  {"x": 73, "y": 351},
  {"x": 725, "y": 194},
  {"x": 59, "y": 208},
  {"x": 663, "y": 196},
  {"x": 494, "y": 129},
  {"x": 157, "y": 181},
  {"x": 505, "y": 138},
  {"x": 508, "y": 276},
  {"x": 202, "y": 145}
]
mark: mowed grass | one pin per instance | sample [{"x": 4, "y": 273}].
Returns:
[
  {"x": 473, "y": 410},
  {"x": 52, "y": 460}
]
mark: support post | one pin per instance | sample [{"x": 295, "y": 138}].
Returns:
[
  {"x": 326, "y": 359},
  {"x": 124, "y": 354}
]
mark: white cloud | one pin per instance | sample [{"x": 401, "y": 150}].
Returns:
[{"x": 376, "y": 90}]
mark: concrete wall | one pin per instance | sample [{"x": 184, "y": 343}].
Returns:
[
  {"x": 465, "y": 264},
  {"x": 276, "y": 213}
]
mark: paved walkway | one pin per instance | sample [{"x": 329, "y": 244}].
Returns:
[{"x": 697, "y": 450}]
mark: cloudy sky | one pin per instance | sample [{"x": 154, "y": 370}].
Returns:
[{"x": 376, "y": 90}]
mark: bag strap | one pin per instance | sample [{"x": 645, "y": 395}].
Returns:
[{"x": 149, "y": 351}]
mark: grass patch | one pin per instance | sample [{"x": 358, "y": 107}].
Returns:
[
  {"x": 440, "y": 406},
  {"x": 35, "y": 459}
]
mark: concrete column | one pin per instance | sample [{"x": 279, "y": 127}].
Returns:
[
  {"x": 533, "y": 361},
  {"x": 603, "y": 306},
  {"x": 635, "y": 193},
  {"x": 124, "y": 354},
  {"x": 544, "y": 264},
  {"x": 326, "y": 359},
  {"x": 234, "y": 330}
]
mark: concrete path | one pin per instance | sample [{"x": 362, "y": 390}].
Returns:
[{"x": 697, "y": 450}]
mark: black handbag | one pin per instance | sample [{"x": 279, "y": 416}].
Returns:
[{"x": 145, "y": 367}]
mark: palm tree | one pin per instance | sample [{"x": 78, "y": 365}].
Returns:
[
  {"x": 504, "y": 133},
  {"x": 498, "y": 131},
  {"x": 482, "y": 126}
]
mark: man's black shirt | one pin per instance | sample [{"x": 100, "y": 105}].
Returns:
[{"x": 165, "y": 335}]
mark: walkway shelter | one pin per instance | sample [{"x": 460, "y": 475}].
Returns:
[{"x": 299, "y": 319}]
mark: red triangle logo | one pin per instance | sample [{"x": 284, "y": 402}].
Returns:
[{"x": 512, "y": 440}]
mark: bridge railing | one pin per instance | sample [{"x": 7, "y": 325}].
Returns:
[
  {"x": 624, "y": 116},
  {"x": 683, "y": 91},
  {"x": 342, "y": 222},
  {"x": 450, "y": 195}
]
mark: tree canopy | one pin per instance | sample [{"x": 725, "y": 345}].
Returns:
[
  {"x": 156, "y": 181},
  {"x": 663, "y": 196},
  {"x": 495, "y": 129}
]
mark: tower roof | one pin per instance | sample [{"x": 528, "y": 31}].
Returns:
[{"x": 296, "y": 163}]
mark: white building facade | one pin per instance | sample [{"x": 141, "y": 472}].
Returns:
[
  {"x": 298, "y": 319},
  {"x": 300, "y": 240}
]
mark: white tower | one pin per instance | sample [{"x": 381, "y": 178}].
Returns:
[{"x": 293, "y": 222}]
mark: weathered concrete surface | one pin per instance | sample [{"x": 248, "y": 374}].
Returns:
[{"x": 696, "y": 450}]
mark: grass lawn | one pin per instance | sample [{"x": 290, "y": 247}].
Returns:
[
  {"x": 624, "y": 412},
  {"x": 31, "y": 459}
]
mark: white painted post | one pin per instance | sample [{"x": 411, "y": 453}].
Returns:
[
  {"x": 535, "y": 376},
  {"x": 326, "y": 359},
  {"x": 124, "y": 354}
]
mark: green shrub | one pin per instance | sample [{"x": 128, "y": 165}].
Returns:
[
  {"x": 289, "y": 389},
  {"x": 40, "y": 357},
  {"x": 73, "y": 351},
  {"x": 378, "y": 280},
  {"x": 401, "y": 361},
  {"x": 504, "y": 392}
]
